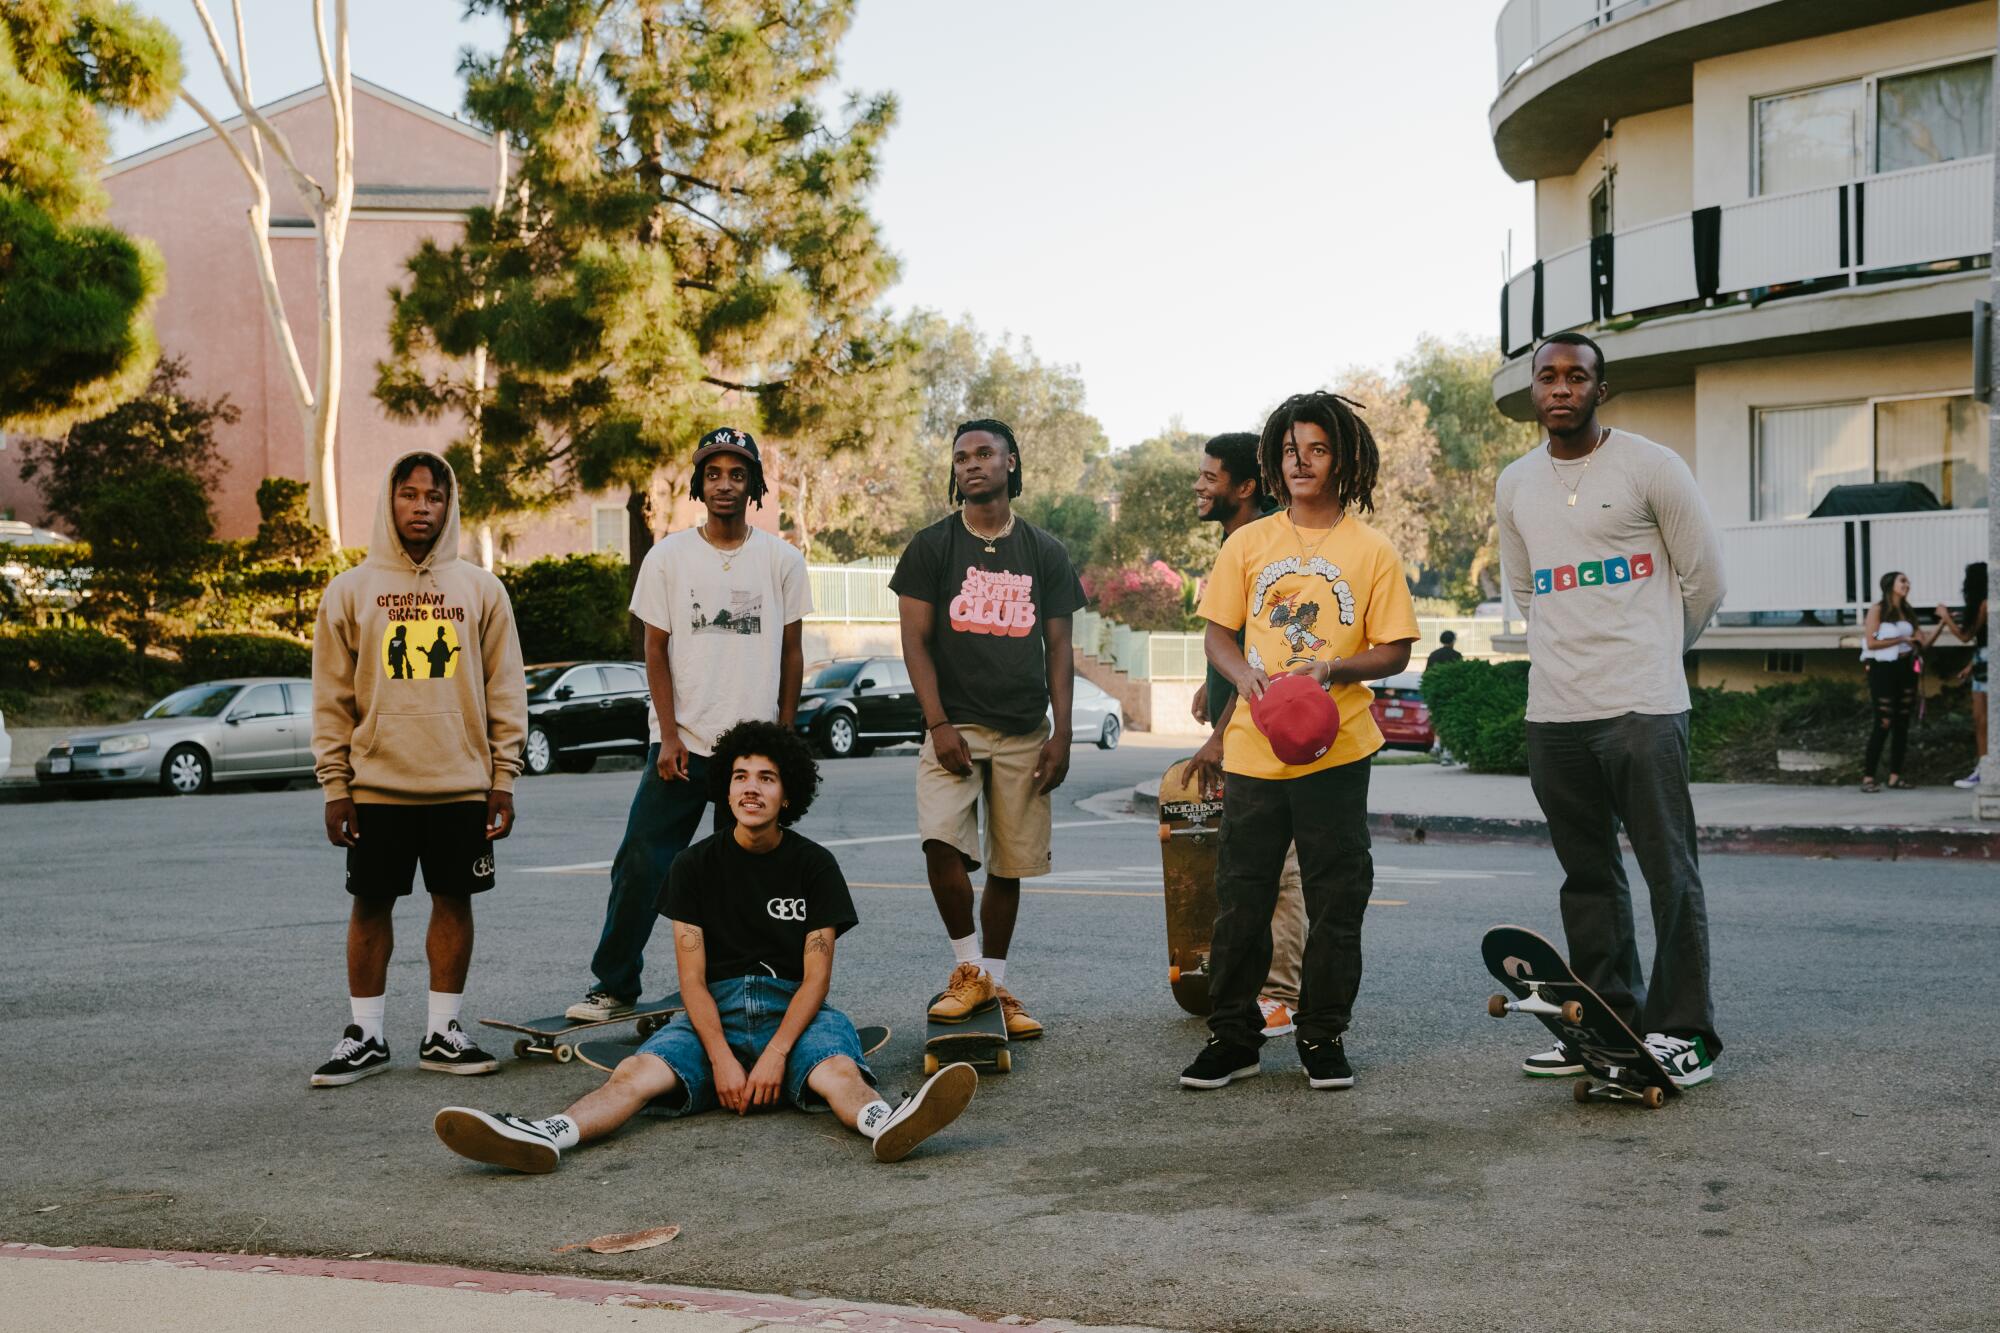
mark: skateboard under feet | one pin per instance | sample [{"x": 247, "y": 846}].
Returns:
[
  {"x": 978, "y": 1039},
  {"x": 1540, "y": 983},
  {"x": 552, "y": 1036}
]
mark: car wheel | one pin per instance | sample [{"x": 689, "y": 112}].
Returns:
[
  {"x": 1107, "y": 738},
  {"x": 185, "y": 771},
  {"x": 839, "y": 738},
  {"x": 540, "y": 753}
]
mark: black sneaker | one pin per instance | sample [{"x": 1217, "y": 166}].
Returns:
[
  {"x": 512, "y": 1141},
  {"x": 353, "y": 1059},
  {"x": 1326, "y": 1063},
  {"x": 452, "y": 1052},
  {"x": 1555, "y": 1062},
  {"x": 1219, "y": 1065}
]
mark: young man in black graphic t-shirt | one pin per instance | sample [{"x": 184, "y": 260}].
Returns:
[
  {"x": 985, "y": 600},
  {"x": 755, "y": 911}
]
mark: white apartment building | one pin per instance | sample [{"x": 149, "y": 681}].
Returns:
[{"x": 1775, "y": 216}]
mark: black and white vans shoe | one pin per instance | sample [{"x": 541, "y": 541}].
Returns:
[
  {"x": 1219, "y": 1065},
  {"x": 940, "y": 1101},
  {"x": 1556, "y": 1062},
  {"x": 600, "y": 1006},
  {"x": 353, "y": 1059},
  {"x": 498, "y": 1140},
  {"x": 1325, "y": 1063},
  {"x": 452, "y": 1052}
]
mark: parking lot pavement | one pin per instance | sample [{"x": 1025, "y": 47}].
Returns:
[{"x": 171, "y": 970}]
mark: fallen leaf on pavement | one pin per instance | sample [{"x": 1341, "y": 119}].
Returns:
[{"x": 624, "y": 1242}]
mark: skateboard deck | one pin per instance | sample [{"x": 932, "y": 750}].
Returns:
[
  {"x": 981, "y": 1039},
  {"x": 552, "y": 1036},
  {"x": 1190, "y": 836},
  {"x": 606, "y": 1052},
  {"x": 1539, "y": 982}
]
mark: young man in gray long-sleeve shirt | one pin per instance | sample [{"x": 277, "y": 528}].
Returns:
[{"x": 1609, "y": 551}]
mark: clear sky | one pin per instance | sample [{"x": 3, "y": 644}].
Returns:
[{"x": 1203, "y": 206}]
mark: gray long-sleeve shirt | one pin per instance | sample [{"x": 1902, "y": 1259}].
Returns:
[{"x": 1616, "y": 587}]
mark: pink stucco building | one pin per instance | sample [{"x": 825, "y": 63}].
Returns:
[{"x": 417, "y": 170}]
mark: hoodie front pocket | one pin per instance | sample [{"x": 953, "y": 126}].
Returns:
[{"x": 421, "y": 754}]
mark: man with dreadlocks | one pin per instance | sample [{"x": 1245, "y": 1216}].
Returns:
[
  {"x": 1320, "y": 598},
  {"x": 722, "y": 604},
  {"x": 985, "y": 601}
]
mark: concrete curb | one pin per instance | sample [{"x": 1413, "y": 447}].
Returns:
[{"x": 1878, "y": 842}]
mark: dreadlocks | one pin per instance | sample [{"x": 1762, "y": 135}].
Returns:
[
  {"x": 999, "y": 430},
  {"x": 753, "y": 492},
  {"x": 1355, "y": 458}
]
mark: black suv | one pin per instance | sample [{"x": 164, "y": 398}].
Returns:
[
  {"x": 850, "y": 705},
  {"x": 580, "y": 710}
]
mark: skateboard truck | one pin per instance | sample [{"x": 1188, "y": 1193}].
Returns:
[{"x": 1569, "y": 1011}]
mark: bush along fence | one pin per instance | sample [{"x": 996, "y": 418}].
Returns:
[{"x": 1479, "y": 710}]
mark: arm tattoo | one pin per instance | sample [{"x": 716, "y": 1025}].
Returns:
[
  {"x": 689, "y": 937},
  {"x": 820, "y": 941}
]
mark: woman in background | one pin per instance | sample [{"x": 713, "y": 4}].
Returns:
[
  {"x": 1890, "y": 645},
  {"x": 1972, "y": 631}
]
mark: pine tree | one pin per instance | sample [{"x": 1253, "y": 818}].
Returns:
[
  {"x": 76, "y": 336},
  {"x": 679, "y": 237}
]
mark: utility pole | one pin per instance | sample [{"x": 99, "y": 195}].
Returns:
[{"x": 1986, "y": 796}]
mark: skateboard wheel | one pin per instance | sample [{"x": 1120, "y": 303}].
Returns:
[
  {"x": 520, "y": 1048},
  {"x": 1173, "y": 973},
  {"x": 1166, "y": 833},
  {"x": 1654, "y": 1098},
  {"x": 930, "y": 1064},
  {"x": 1497, "y": 1006},
  {"x": 565, "y": 1054},
  {"x": 1581, "y": 1091},
  {"x": 1572, "y": 1012},
  {"x": 1003, "y": 1061}
]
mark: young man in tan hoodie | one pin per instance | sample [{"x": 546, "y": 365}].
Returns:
[{"x": 418, "y": 768}]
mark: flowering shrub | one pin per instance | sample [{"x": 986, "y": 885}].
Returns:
[{"x": 1149, "y": 597}]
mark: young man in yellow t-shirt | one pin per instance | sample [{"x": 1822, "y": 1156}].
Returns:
[{"x": 1319, "y": 594}]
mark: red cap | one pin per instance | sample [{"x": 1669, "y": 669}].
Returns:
[{"x": 1299, "y": 719}]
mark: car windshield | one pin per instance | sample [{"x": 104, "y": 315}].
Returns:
[
  {"x": 540, "y": 678},
  {"x": 194, "y": 701},
  {"x": 831, "y": 675}
]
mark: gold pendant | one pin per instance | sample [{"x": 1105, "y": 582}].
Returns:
[
  {"x": 1572, "y": 499},
  {"x": 991, "y": 549}
]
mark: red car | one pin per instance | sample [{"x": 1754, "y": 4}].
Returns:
[{"x": 1401, "y": 713}]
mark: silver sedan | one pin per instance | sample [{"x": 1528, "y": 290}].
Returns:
[{"x": 253, "y": 729}]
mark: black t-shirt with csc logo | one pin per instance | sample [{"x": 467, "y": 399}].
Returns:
[{"x": 755, "y": 910}]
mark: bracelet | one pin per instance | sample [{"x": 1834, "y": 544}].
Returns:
[{"x": 942, "y": 722}]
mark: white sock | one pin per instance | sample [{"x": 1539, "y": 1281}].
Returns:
[
  {"x": 995, "y": 968},
  {"x": 444, "y": 1009},
  {"x": 368, "y": 1011},
  {"x": 562, "y": 1129},
  {"x": 966, "y": 950},
  {"x": 873, "y": 1116}
]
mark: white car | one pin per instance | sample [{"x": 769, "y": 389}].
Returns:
[
  {"x": 6, "y": 747},
  {"x": 1095, "y": 718}
]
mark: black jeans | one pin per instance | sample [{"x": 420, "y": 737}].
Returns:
[
  {"x": 1892, "y": 689},
  {"x": 1326, "y": 814},
  {"x": 1588, "y": 776},
  {"x": 665, "y": 818}
]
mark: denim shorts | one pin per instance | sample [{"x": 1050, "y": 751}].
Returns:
[{"x": 751, "y": 1008}]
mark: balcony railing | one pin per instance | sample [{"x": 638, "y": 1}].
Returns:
[
  {"x": 1876, "y": 228},
  {"x": 1529, "y": 31},
  {"x": 1820, "y": 564}
]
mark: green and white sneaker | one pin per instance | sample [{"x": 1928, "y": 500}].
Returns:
[{"x": 1686, "y": 1062}]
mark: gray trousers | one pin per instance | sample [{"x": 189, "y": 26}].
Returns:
[{"x": 1588, "y": 777}]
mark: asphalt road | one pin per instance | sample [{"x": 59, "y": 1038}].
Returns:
[{"x": 170, "y": 970}]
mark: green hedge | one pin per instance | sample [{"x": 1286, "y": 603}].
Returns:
[
  {"x": 218, "y": 655},
  {"x": 568, "y": 607},
  {"x": 1478, "y": 710},
  {"x": 67, "y": 656}
]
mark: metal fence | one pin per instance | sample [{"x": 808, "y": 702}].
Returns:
[{"x": 852, "y": 593}]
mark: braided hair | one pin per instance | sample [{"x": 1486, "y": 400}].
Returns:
[
  {"x": 1355, "y": 457},
  {"x": 992, "y": 427},
  {"x": 754, "y": 489}
]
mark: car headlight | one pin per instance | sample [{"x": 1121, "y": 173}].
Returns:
[
  {"x": 811, "y": 705},
  {"x": 125, "y": 744}
]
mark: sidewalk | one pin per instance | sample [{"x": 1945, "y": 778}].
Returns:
[
  {"x": 1421, "y": 802},
  {"x": 175, "y": 1292}
]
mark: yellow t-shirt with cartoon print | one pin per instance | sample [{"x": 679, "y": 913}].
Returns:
[{"x": 1307, "y": 595}]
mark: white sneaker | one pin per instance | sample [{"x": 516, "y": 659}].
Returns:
[
  {"x": 1277, "y": 1017},
  {"x": 498, "y": 1140},
  {"x": 1968, "y": 782},
  {"x": 936, "y": 1104},
  {"x": 1556, "y": 1062},
  {"x": 1687, "y": 1062},
  {"x": 599, "y": 1007}
]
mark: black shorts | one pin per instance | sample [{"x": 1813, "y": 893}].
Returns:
[{"x": 449, "y": 840}]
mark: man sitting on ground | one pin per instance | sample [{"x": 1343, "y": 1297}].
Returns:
[{"x": 755, "y": 911}]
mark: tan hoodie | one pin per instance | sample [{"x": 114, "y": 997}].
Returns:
[{"x": 419, "y": 697}]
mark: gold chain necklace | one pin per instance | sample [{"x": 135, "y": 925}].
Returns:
[
  {"x": 998, "y": 536},
  {"x": 726, "y": 554},
  {"x": 1604, "y": 433},
  {"x": 1305, "y": 556}
]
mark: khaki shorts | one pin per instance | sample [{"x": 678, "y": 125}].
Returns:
[{"x": 1017, "y": 817}]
